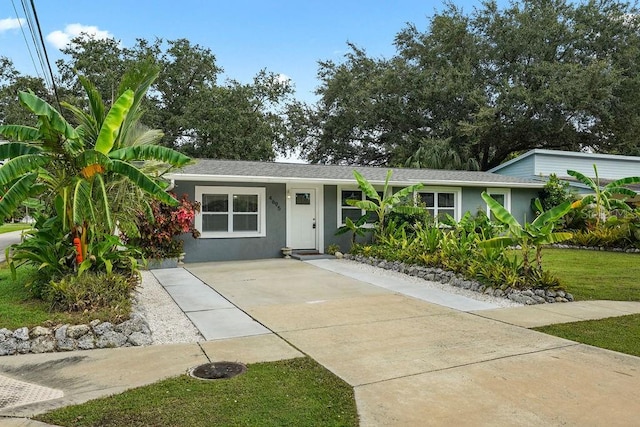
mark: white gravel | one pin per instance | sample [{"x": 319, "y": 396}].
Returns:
[
  {"x": 168, "y": 323},
  {"x": 381, "y": 272}
]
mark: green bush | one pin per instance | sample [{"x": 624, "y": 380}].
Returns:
[{"x": 92, "y": 291}]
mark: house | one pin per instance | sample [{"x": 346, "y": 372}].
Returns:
[
  {"x": 251, "y": 210},
  {"x": 538, "y": 164}
]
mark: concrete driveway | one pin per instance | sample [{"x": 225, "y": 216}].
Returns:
[{"x": 416, "y": 363}]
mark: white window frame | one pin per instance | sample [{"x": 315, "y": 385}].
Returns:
[
  {"x": 362, "y": 211},
  {"x": 230, "y": 191},
  {"x": 457, "y": 199},
  {"x": 506, "y": 192}
]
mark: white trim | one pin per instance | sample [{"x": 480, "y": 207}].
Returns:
[
  {"x": 457, "y": 197},
  {"x": 506, "y": 192},
  {"x": 262, "y": 211},
  {"x": 351, "y": 187},
  {"x": 333, "y": 181},
  {"x": 319, "y": 214}
]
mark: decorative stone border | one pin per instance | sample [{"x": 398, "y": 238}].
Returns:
[
  {"x": 526, "y": 296},
  {"x": 97, "y": 334}
]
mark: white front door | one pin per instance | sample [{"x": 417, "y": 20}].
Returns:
[{"x": 303, "y": 218}]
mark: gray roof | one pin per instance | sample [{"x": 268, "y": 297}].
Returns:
[{"x": 238, "y": 171}]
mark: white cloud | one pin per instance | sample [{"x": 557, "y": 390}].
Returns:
[
  {"x": 11, "y": 24},
  {"x": 61, "y": 39},
  {"x": 283, "y": 79}
]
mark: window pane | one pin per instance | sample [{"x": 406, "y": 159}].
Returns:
[
  {"x": 354, "y": 214},
  {"x": 350, "y": 194},
  {"x": 442, "y": 213},
  {"x": 303, "y": 199},
  {"x": 245, "y": 223},
  {"x": 215, "y": 222},
  {"x": 427, "y": 198},
  {"x": 431, "y": 211},
  {"x": 215, "y": 203},
  {"x": 498, "y": 198},
  {"x": 245, "y": 203},
  {"x": 446, "y": 200}
]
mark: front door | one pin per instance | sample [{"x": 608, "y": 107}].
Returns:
[{"x": 303, "y": 218}]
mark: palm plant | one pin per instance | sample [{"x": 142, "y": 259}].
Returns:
[
  {"x": 535, "y": 234},
  {"x": 72, "y": 169},
  {"x": 603, "y": 198},
  {"x": 382, "y": 205}
]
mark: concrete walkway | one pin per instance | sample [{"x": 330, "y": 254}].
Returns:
[
  {"x": 410, "y": 361},
  {"x": 8, "y": 239}
]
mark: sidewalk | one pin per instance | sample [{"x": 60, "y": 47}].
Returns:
[{"x": 410, "y": 361}]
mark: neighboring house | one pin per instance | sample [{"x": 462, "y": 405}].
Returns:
[
  {"x": 538, "y": 164},
  {"x": 251, "y": 210}
]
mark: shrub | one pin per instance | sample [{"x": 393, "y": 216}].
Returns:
[
  {"x": 157, "y": 235},
  {"x": 332, "y": 249},
  {"x": 92, "y": 291}
]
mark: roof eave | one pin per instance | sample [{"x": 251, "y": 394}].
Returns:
[{"x": 334, "y": 181}]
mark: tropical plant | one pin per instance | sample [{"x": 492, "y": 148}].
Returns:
[
  {"x": 156, "y": 236},
  {"x": 554, "y": 193},
  {"x": 358, "y": 228},
  {"x": 381, "y": 205},
  {"x": 535, "y": 234},
  {"x": 603, "y": 197},
  {"x": 71, "y": 169}
]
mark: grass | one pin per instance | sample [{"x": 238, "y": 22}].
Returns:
[
  {"x": 18, "y": 308},
  {"x": 8, "y": 227},
  {"x": 590, "y": 275},
  {"x": 616, "y": 333},
  {"x": 296, "y": 392}
]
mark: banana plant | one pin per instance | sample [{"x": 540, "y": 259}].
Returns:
[
  {"x": 535, "y": 234},
  {"x": 382, "y": 205},
  {"x": 603, "y": 197},
  {"x": 71, "y": 168}
]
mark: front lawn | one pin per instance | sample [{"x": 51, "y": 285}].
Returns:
[
  {"x": 296, "y": 392},
  {"x": 615, "y": 333},
  {"x": 595, "y": 275},
  {"x": 9, "y": 227}
]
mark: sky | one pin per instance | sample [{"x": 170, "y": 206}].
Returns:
[{"x": 286, "y": 37}]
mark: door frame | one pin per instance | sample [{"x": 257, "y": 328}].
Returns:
[{"x": 290, "y": 188}]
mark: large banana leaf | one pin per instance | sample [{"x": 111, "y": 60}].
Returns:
[
  {"x": 366, "y": 186},
  {"x": 552, "y": 238},
  {"x": 20, "y": 133},
  {"x": 10, "y": 150},
  {"x": 151, "y": 152},
  {"x": 102, "y": 194},
  {"x": 83, "y": 208},
  {"x": 92, "y": 157},
  {"x": 88, "y": 128},
  {"x": 623, "y": 182},
  {"x": 18, "y": 193},
  {"x": 142, "y": 181},
  {"x": 500, "y": 213},
  {"x": 583, "y": 179},
  {"x": 19, "y": 166},
  {"x": 112, "y": 122},
  {"x": 498, "y": 242},
  {"x": 621, "y": 190},
  {"x": 553, "y": 214},
  {"x": 139, "y": 78},
  {"x": 42, "y": 109},
  {"x": 367, "y": 205},
  {"x": 401, "y": 194},
  {"x": 96, "y": 105}
]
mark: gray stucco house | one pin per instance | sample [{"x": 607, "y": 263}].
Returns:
[{"x": 251, "y": 210}]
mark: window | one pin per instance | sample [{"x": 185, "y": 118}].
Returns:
[
  {"x": 440, "y": 202},
  {"x": 353, "y": 212},
  {"x": 502, "y": 196},
  {"x": 231, "y": 211}
]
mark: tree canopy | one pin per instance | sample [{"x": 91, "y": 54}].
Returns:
[
  {"x": 196, "y": 113},
  {"x": 484, "y": 86}
]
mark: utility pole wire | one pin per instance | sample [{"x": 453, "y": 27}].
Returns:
[{"x": 44, "y": 48}]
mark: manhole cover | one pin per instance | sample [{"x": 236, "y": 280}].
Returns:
[{"x": 217, "y": 370}]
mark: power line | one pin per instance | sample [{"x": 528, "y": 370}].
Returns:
[
  {"x": 24, "y": 36},
  {"x": 29, "y": 19},
  {"x": 46, "y": 56}
]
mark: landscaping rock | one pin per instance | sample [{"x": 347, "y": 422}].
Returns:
[
  {"x": 76, "y": 331},
  {"x": 86, "y": 342},
  {"x": 103, "y": 328},
  {"x": 43, "y": 344},
  {"x": 111, "y": 339},
  {"x": 66, "y": 344},
  {"x": 39, "y": 331},
  {"x": 138, "y": 338},
  {"x": 8, "y": 347},
  {"x": 21, "y": 334}
]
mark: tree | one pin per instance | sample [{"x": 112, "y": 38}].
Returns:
[
  {"x": 497, "y": 81},
  {"x": 196, "y": 114},
  {"x": 11, "y": 82}
]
